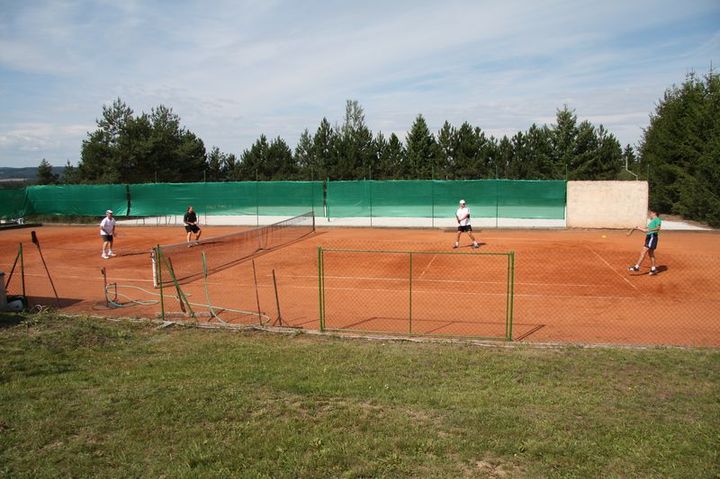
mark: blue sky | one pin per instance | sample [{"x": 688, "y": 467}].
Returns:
[{"x": 233, "y": 70}]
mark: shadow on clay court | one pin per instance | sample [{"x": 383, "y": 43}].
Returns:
[
  {"x": 661, "y": 268},
  {"x": 469, "y": 245},
  {"x": 51, "y": 301}
]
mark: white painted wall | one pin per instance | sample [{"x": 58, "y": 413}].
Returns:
[{"x": 607, "y": 204}]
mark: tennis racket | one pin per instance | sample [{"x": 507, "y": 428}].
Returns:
[{"x": 630, "y": 231}]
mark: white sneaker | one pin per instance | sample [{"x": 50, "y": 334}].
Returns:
[
  {"x": 110, "y": 253},
  {"x": 455, "y": 245},
  {"x": 104, "y": 256}
]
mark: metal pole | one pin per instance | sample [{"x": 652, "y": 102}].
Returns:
[
  {"x": 22, "y": 270},
  {"x": 37, "y": 243},
  {"x": 497, "y": 203},
  {"x": 321, "y": 288},
  {"x": 432, "y": 201},
  {"x": 158, "y": 266},
  {"x": 371, "y": 203},
  {"x": 257, "y": 294},
  {"x": 257, "y": 201},
  {"x": 511, "y": 296},
  {"x": 410, "y": 296},
  {"x": 277, "y": 299}
]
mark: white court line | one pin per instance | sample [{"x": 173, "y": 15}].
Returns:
[
  {"x": 611, "y": 268},
  {"x": 447, "y": 293},
  {"x": 450, "y": 281},
  {"x": 428, "y": 266},
  {"x": 64, "y": 276}
]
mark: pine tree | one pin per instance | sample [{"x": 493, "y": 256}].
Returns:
[
  {"x": 681, "y": 150},
  {"x": 421, "y": 151},
  {"x": 45, "y": 175}
]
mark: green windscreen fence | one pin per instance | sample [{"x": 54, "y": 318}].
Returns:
[
  {"x": 13, "y": 202},
  {"x": 81, "y": 200},
  {"x": 439, "y": 198},
  {"x": 338, "y": 199},
  {"x": 272, "y": 198}
]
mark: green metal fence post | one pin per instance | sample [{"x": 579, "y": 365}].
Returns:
[
  {"x": 257, "y": 201},
  {"x": 511, "y": 296},
  {"x": 326, "y": 198},
  {"x": 432, "y": 200},
  {"x": 371, "y": 202},
  {"x": 158, "y": 268},
  {"x": 497, "y": 203},
  {"x": 411, "y": 275},
  {"x": 321, "y": 289}
]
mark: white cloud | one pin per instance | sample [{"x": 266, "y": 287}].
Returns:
[{"x": 235, "y": 70}]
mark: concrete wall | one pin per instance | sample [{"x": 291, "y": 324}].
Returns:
[{"x": 606, "y": 204}]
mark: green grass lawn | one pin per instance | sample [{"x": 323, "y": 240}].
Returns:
[{"x": 89, "y": 397}]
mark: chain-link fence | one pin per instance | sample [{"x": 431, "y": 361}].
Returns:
[
  {"x": 567, "y": 292},
  {"x": 586, "y": 294},
  {"x": 425, "y": 293}
]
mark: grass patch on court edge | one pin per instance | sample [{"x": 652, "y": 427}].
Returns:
[{"x": 89, "y": 397}]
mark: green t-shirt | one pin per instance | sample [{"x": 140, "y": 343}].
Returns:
[{"x": 654, "y": 225}]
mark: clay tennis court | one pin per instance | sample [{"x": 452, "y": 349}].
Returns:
[{"x": 569, "y": 285}]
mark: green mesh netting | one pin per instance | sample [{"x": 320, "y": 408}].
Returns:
[
  {"x": 81, "y": 200},
  {"x": 439, "y": 198},
  {"x": 13, "y": 203},
  {"x": 281, "y": 198}
]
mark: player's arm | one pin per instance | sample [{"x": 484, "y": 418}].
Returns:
[
  {"x": 655, "y": 229},
  {"x": 649, "y": 230}
]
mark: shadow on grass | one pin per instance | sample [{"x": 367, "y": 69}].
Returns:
[{"x": 8, "y": 320}]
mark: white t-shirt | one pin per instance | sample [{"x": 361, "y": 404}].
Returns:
[
  {"x": 107, "y": 226},
  {"x": 464, "y": 215}
]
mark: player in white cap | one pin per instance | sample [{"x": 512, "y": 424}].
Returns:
[
  {"x": 107, "y": 231},
  {"x": 463, "y": 218}
]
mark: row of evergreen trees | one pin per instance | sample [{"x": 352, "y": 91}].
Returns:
[
  {"x": 679, "y": 152},
  {"x": 126, "y": 148}
]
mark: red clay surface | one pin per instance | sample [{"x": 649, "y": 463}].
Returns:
[{"x": 570, "y": 285}]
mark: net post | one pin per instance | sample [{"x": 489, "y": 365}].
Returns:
[
  {"x": 104, "y": 275},
  {"x": 510, "y": 296}
]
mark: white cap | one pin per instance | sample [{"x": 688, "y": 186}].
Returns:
[
  {"x": 108, "y": 212},
  {"x": 462, "y": 202}
]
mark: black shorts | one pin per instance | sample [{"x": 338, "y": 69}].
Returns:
[
  {"x": 464, "y": 229},
  {"x": 192, "y": 228},
  {"x": 108, "y": 238},
  {"x": 651, "y": 241}
]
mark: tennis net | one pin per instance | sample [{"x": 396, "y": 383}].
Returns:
[{"x": 221, "y": 252}]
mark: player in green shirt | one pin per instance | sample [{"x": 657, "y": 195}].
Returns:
[{"x": 651, "y": 240}]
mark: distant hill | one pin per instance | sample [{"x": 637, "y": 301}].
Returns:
[{"x": 28, "y": 173}]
